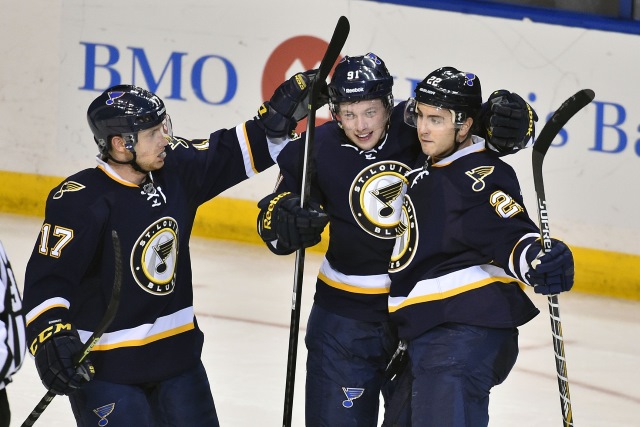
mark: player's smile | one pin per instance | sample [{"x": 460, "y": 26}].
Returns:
[{"x": 364, "y": 137}]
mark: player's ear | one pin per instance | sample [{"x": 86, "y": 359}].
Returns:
[
  {"x": 117, "y": 144},
  {"x": 465, "y": 128}
]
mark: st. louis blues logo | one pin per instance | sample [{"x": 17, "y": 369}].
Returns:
[
  {"x": 352, "y": 393},
  {"x": 155, "y": 255},
  {"x": 376, "y": 198},
  {"x": 112, "y": 96},
  {"x": 470, "y": 79},
  {"x": 374, "y": 58},
  {"x": 66, "y": 187},
  {"x": 477, "y": 175},
  {"x": 103, "y": 412}
]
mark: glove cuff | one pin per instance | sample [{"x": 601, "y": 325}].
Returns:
[{"x": 54, "y": 330}]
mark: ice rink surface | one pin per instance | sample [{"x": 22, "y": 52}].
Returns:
[{"x": 243, "y": 305}]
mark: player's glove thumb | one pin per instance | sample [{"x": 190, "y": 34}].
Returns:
[{"x": 551, "y": 272}]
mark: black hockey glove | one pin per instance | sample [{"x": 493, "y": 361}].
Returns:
[
  {"x": 286, "y": 227},
  {"x": 55, "y": 349},
  {"x": 289, "y": 104},
  {"x": 551, "y": 272},
  {"x": 508, "y": 121}
]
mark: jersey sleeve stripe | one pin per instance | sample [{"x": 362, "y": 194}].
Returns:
[
  {"x": 519, "y": 252},
  {"x": 46, "y": 305},
  {"x": 245, "y": 147}
]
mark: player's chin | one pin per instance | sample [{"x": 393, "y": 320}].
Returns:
[
  {"x": 157, "y": 164},
  {"x": 428, "y": 147}
]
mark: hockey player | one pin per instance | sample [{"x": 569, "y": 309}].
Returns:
[
  {"x": 467, "y": 246},
  {"x": 359, "y": 162},
  {"x": 147, "y": 186},
  {"x": 12, "y": 333}
]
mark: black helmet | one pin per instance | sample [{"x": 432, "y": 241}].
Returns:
[
  {"x": 452, "y": 89},
  {"x": 357, "y": 78},
  {"x": 123, "y": 110}
]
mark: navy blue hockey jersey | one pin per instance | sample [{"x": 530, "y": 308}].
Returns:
[
  {"x": 71, "y": 270},
  {"x": 362, "y": 193},
  {"x": 461, "y": 250}
]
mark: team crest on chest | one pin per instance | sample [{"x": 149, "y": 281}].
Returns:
[
  {"x": 154, "y": 257},
  {"x": 376, "y": 198},
  {"x": 406, "y": 239}
]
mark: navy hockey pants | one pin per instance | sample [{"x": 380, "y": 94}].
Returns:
[
  {"x": 454, "y": 367},
  {"x": 346, "y": 365},
  {"x": 184, "y": 401}
]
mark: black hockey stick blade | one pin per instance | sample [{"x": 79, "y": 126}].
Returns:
[
  {"x": 107, "y": 319},
  {"x": 338, "y": 39},
  {"x": 334, "y": 48},
  {"x": 558, "y": 120}
]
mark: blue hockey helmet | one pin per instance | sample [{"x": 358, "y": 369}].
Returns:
[
  {"x": 358, "y": 78},
  {"x": 451, "y": 89},
  {"x": 124, "y": 110}
]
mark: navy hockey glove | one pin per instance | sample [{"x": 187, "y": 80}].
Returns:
[
  {"x": 289, "y": 104},
  {"x": 286, "y": 227},
  {"x": 509, "y": 122},
  {"x": 55, "y": 349},
  {"x": 551, "y": 272}
]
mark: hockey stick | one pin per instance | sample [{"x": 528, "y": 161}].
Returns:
[
  {"x": 331, "y": 55},
  {"x": 108, "y": 317},
  {"x": 566, "y": 111}
]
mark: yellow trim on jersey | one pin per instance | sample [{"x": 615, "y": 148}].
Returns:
[
  {"x": 115, "y": 177},
  {"x": 451, "y": 284},
  {"x": 147, "y": 340},
  {"x": 44, "y": 306},
  {"x": 370, "y": 285},
  {"x": 245, "y": 147},
  {"x": 163, "y": 327}
]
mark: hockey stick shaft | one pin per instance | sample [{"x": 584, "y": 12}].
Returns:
[
  {"x": 326, "y": 64},
  {"x": 566, "y": 111},
  {"x": 107, "y": 319}
]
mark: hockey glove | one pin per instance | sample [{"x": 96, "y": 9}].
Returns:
[
  {"x": 509, "y": 122},
  {"x": 55, "y": 349},
  {"x": 551, "y": 272},
  {"x": 286, "y": 227},
  {"x": 289, "y": 104}
]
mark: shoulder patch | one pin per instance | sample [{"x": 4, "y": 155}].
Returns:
[
  {"x": 68, "y": 186},
  {"x": 478, "y": 175}
]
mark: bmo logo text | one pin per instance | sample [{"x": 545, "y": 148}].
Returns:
[
  {"x": 210, "y": 78},
  {"x": 213, "y": 78}
]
